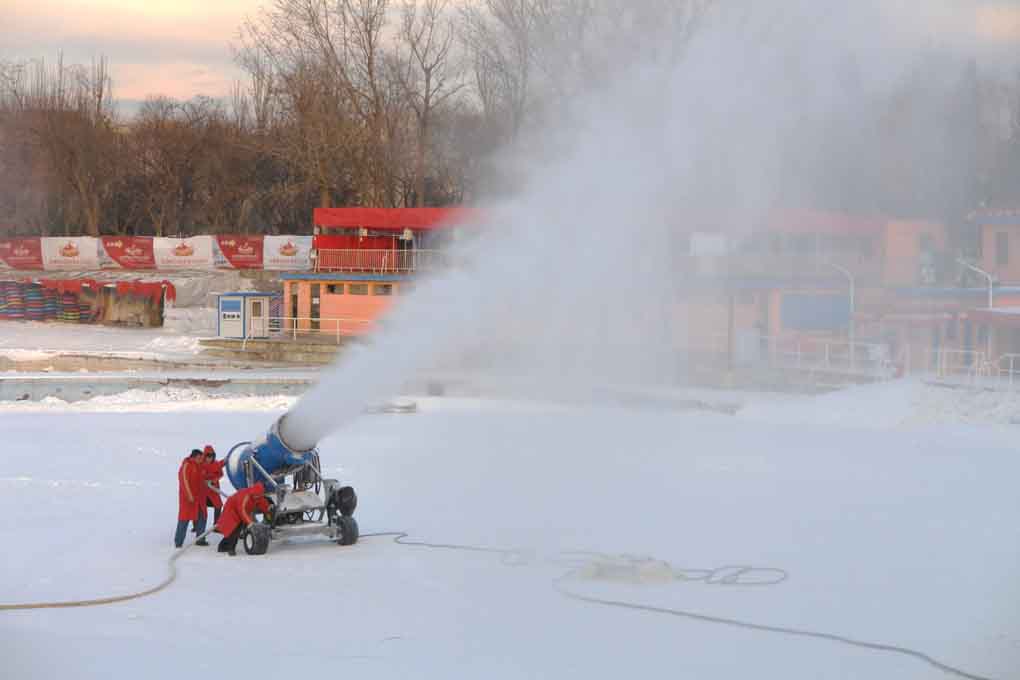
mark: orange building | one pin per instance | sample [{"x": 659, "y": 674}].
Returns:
[{"x": 364, "y": 259}]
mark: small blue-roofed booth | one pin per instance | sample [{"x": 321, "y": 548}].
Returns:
[{"x": 244, "y": 315}]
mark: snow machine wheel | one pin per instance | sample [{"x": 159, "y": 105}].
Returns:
[
  {"x": 345, "y": 500},
  {"x": 256, "y": 539},
  {"x": 348, "y": 528}
]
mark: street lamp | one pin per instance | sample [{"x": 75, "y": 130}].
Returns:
[
  {"x": 991, "y": 301},
  {"x": 852, "y": 329},
  {"x": 982, "y": 272}
]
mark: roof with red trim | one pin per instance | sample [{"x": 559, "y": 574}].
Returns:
[{"x": 392, "y": 219}]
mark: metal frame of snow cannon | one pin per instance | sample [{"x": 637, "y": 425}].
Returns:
[{"x": 308, "y": 505}]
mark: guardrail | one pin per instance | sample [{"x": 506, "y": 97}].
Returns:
[
  {"x": 379, "y": 261},
  {"x": 276, "y": 327}
]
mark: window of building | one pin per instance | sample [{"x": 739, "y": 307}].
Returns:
[
  {"x": 335, "y": 289},
  {"x": 1002, "y": 249},
  {"x": 382, "y": 289},
  {"x": 357, "y": 288},
  {"x": 927, "y": 243}
]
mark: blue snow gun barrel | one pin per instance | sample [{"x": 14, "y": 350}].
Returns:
[{"x": 249, "y": 462}]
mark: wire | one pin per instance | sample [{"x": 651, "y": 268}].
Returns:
[
  {"x": 171, "y": 577},
  {"x": 730, "y": 576},
  {"x": 743, "y": 575}
]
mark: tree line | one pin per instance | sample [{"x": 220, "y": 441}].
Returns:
[{"x": 408, "y": 103}]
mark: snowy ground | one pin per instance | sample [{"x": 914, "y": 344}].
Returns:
[
  {"x": 891, "y": 534},
  {"x": 24, "y": 341}
]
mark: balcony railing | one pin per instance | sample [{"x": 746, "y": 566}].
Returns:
[{"x": 379, "y": 261}]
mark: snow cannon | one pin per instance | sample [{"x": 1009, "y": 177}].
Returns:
[{"x": 301, "y": 500}]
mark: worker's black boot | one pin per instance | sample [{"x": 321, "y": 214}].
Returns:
[{"x": 201, "y": 541}]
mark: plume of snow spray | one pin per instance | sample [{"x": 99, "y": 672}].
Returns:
[{"x": 572, "y": 282}]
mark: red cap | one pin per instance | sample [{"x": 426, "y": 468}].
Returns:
[{"x": 209, "y": 449}]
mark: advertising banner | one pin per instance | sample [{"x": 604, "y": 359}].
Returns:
[
  {"x": 21, "y": 253},
  {"x": 183, "y": 253},
  {"x": 239, "y": 252},
  {"x": 126, "y": 252},
  {"x": 287, "y": 253},
  {"x": 79, "y": 253}
]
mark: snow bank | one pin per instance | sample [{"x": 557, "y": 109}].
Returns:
[
  {"x": 902, "y": 403},
  {"x": 167, "y": 399}
]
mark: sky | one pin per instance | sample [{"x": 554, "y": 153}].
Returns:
[{"x": 181, "y": 48}]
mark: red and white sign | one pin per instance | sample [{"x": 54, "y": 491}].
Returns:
[
  {"x": 80, "y": 253},
  {"x": 239, "y": 252},
  {"x": 183, "y": 253},
  {"x": 21, "y": 253},
  {"x": 127, "y": 252},
  {"x": 287, "y": 253}
]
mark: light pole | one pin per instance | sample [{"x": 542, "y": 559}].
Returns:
[
  {"x": 852, "y": 328},
  {"x": 991, "y": 301}
]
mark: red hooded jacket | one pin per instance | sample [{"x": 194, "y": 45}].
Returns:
[
  {"x": 212, "y": 473},
  {"x": 240, "y": 508},
  {"x": 189, "y": 490}
]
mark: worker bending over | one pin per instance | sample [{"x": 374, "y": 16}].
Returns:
[{"x": 239, "y": 514}]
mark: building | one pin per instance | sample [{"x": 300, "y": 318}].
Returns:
[{"x": 364, "y": 259}]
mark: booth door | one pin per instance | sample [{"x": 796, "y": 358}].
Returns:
[{"x": 258, "y": 318}]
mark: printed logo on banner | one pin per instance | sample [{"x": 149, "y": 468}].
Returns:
[
  {"x": 238, "y": 252},
  {"x": 128, "y": 252},
  {"x": 288, "y": 253},
  {"x": 192, "y": 253},
  {"x": 22, "y": 253},
  {"x": 78, "y": 253}
]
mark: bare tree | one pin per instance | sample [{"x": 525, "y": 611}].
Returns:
[{"x": 426, "y": 72}]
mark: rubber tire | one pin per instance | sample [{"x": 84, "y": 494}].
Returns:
[
  {"x": 346, "y": 500},
  {"x": 348, "y": 527},
  {"x": 256, "y": 539}
]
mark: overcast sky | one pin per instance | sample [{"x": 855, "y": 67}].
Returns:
[{"x": 181, "y": 48}]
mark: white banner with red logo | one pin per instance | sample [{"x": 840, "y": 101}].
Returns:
[
  {"x": 234, "y": 251},
  {"x": 287, "y": 253},
  {"x": 126, "y": 252},
  {"x": 70, "y": 253},
  {"x": 184, "y": 253}
]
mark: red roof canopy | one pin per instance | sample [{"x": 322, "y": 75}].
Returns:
[{"x": 393, "y": 219}]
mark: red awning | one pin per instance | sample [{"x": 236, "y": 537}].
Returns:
[{"x": 392, "y": 219}]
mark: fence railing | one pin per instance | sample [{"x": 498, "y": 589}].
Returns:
[
  {"x": 379, "y": 261},
  {"x": 293, "y": 327}
]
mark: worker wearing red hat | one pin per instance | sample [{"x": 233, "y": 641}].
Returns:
[
  {"x": 212, "y": 473},
  {"x": 238, "y": 514}
]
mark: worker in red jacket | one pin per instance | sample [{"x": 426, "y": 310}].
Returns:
[
  {"x": 239, "y": 513},
  {"x": 189, "y": 495},
  {"x": 212, "y": 473}
]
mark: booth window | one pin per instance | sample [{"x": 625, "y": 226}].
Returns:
[
  {"x": 335, "y": 289},
  {"x": 358, "y": 289},
  {"x": 382, "y": 289}
]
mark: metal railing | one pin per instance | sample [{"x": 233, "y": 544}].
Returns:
[
  {"x": 293, "y": 327},
  {"x": 379, "y": 261}
]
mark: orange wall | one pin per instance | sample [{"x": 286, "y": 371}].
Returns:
[
  {"x": 1010, "y": 273},
  {"x": 356, "y": 312},
  {"x": 902, "y": 249}
]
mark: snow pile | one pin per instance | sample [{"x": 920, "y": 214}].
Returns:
[
  {"x": 163, "y": 400},
  {"x": 190, "y": 320},
  {"x": 902, "y": 403},
  {"x": 173, "y": 344}
]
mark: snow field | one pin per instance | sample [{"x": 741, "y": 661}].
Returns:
[{"x": 905, "y": 536}]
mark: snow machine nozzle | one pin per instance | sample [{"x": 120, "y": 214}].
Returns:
[{"x": 262, "y": 460}]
